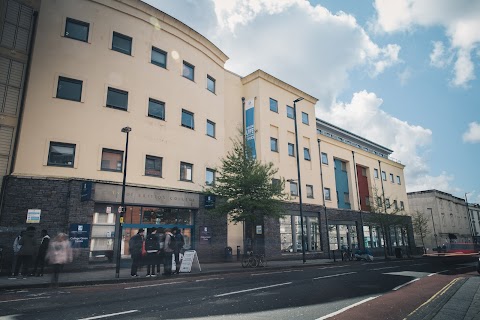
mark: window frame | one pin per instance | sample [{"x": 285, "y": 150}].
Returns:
[
  {"x": 207, "y": 170},
  {"x": 61, "y": 144},
  {"x": 124, "y": 37},
  {"x": 306, "y": 154},
  {"x": 292, "y": 147},
  {"x": 213, "y": 125},
  {"x": 293, "y": 193},
  {"x": 305, "y": 118},
  {"x": 391, "y": 178},
  {"x": 186, "y": 165},
  {"x": 327, "y": 194},
  {"x": 184, "y": 111},
  {"x": 120, "y": 92},
  {"x": 326, "y": 158},
  {"x": 77, "y": 22},
  {"x": 190, "y": 66},
  {"x": 104, "y": 150},
  {"x": 309, "y": 195},
  {"x": 161, "y": 103},
  {"x": 275, "y": 104},
  {"x": 402, "y": 205},
  {"x": 387, "y": 203},
  {"x": 150, "y": 157},
  {"x": 212, "y": 80},
  {"x": 384, "y": 176},
  {"x": 293, "y": 112},
  {"x": 69, "y": 80},
  {"x": 399, "y": 182},
  {"x": 375, "y": 173},
  {"x": 274, "y": 146},
  {"x": 162, "y": 52}
]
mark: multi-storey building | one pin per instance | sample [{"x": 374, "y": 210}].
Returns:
[
  {"x": 474, "y": 215},
  {"x": 447, "y": 215},
  {"x": 100, "y": 66}
]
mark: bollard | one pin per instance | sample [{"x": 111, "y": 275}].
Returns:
[
  {"x": 333, "y": 252},
  {"x": 238, "y": 253}
]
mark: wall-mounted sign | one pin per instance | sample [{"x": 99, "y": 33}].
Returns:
[
  {"x": 205, "y": 235},
  {"x": 250, "y": 126},
  {"x": 258, "y": 229},
  {"x": 33, "y": 215},
  {"x": 210, "y": 201},
  {"x": 79, "y": 235}
]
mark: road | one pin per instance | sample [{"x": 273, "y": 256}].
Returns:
[{"x": 376, "y": 290}]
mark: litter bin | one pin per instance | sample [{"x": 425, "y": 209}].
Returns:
[
  {"x": 228, "y": 253},
  {"x": 398, "y": 253}
]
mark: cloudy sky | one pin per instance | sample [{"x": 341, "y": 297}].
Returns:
[{"x": 402, "y": 73}]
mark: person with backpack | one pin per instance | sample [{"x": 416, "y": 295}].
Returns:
[
  {"x": 177, "y": 248},
  {"x": 161, "y": 253},
  {"x": 168, "y": 252},
  {"x": 152, "y": 246},
  {"x": 135, "y": 246},
  {"x": 25, "y": 254}
]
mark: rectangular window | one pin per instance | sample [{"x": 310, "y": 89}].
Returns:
[
  {"x": 387, "y": 203},
  {"x": 210, "y": 84},
  {"x": 293, "y": 189},
  {"x": 112, "y": 160},
  {"x": 326, "y": 192},
  {"x": 186, "y": 170},
  {"x": 159, "y": 57},
  {"x": 122, "y": 43},
  {"x": 291, "y": 149},
  {"x": 395, "y": 205},
  {"x": 384, "y": 176},
  {"x": 156, "y": 109},
  {"x": 273, "y": 144},
  {"x": 61, "y": 154},
  {"x": 210, "y": 177},
  {"x": 187, "y": 119},
  {"x": 117, "y": 99},
  {"x": 210, "y": 128},
  {"x": 188, "y": 71},
  {"x": 304, "y": 118},
  {"x": 153, "y": 166},
  {"x": 391, "y": 177},
  {"x": 273, "y": 105},
  {"x": 375, "y": 173},
  {"x": 75, "y": 29},
  {"x": 346, "y": 197},
  {"x": 398, "y": 180},
  {"x": 379, "y": 201},
  {"x": 306, "y": 154},
  {"x": 69, "y": 89},
  {"x": 402, "y": 206},
  {"x": 290, "y": 112},
  {"x": 324, "y": 158},
  {"x": 276, "y": 183},
  {"x": 309, "y": 191}
]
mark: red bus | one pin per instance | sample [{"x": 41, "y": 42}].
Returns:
[{"x": 461, "y": 248}]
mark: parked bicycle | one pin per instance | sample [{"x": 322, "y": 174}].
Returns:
[{"x": 253, "y": 260}]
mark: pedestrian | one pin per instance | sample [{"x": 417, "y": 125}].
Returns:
[
  {"x": 16, "y": 249},
  {"x": 135, "y": 246},
  {"x": 161, "y": 253},
  {"x": 58, "y": 254},
  {"x": 25, "y": 254},
  {"x": 179, "y": 243},
  {"x": 168, "y": 250},
  {"x": 42, "y": 252},
  {"x": 152, "y": 246}
]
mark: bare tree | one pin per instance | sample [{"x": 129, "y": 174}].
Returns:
[{"x": 420, "y": 227}]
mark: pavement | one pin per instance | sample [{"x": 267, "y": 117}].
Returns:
[{"x": 459, "y": 300}]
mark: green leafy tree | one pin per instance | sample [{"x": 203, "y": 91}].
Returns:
[
  {"x": 246, "y": 188},
  {"x": 420, "y": 226}
]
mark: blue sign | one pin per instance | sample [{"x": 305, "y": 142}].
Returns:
[
  {"x": 79, "y": 235},
  {"x": 210, "y": 201},
  {"x": 250, "y": 127}
]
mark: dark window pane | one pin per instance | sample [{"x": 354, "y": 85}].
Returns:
[
  {"x": 159, "y": 57},
  {"x": 156, "y": 109},
  {"x": 210, "y": 177},
  {"x": 112, "y": 160},
  {"x": 273, "y": 105},
  {"x": 305, "y": 118},
  {"x": 211, "y": 128},
  {"x": 186, "y": 170},
  {"x": 291, "y": 149},
  {"x": 306, "y": 153},
  {"x": 211, "y": 84},
  {"x": 122, "y": 43},
  {"x": 77, "y": 30},
  {"x": 69, "y": 89},
  {"x": 290, "y": 112},
  {"x": 187, "y": 119},
  {"x": 188, "y": 71},
  {"x": 117, "y": 99},
  {"x": 153, "y": 166},
  {"x": 61, "y": 154}
]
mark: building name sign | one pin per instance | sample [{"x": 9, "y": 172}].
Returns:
[{"x": 134, "y": 195}]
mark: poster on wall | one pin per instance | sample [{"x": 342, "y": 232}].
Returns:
[
  {"x": 250, "y": 126},
  {"x": 79, "y": 235},
  {"x": 33, "y": 215},
  {"x": 205, "y": 235}
]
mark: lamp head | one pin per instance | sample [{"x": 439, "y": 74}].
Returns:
[
  {"x": 297, "y": 100},
  {"x": 126, "y": 129}
]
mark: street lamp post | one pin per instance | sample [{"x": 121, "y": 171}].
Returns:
[
  {"x": 299, "y": 178},
  {"x": 119, "y": 220},
  {"x": 434, "y": 231}
]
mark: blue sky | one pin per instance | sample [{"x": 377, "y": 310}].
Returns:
[{"x": 402, "y": 73}]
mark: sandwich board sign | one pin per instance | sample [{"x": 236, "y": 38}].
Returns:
[{"x": 189, "y": 258}]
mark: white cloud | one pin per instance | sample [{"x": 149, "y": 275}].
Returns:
[
  {"x": 472, "y": 135},
  {"x": 459, "y": 18},
  {"x": 404, "y": 76}
]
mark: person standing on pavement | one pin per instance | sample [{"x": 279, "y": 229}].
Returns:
[
  {"x": 152, "y": 246},
  {"x": 179, "y": 243},
  {"x": 16, "y": 248},
  {"x": 161, "y": 253},
  {"x": 42, "y": 252},
  {"x": 168, "y": 249},
  {"x": 135, "y": 246},
  {"x": 58, "y": 254},
  {"x": 25, "y": 254}
]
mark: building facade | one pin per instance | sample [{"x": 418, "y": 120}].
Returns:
[
  {"x": 99, "y": 66},
  {"x": 448, "y": 219},
  {"x": 474, "y": 213}
]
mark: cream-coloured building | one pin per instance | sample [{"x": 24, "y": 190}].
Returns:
[{"x": 99, "y": 66}]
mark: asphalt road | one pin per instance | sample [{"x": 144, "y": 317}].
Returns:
[{"x": 382, "y": 290}]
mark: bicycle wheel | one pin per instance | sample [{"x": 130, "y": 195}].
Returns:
[
  {"x": 262, "y": 261},
  {"x": 245, "y": 262},
  {"x": 253, "y": 262}
]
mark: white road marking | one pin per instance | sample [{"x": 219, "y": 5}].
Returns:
[
  {"x": 154, "y": 285},
  {"x": 346, "y": 308},
  {"x": 200, "y": 280},
  {"x": 109, "y": 315},
  {"x": 274, "y": 272},
  {"x": 322, "y": 268},
  {"x": 405, "y": 284},
  {"x": 411, "y": 274},
  {"x": 253, "y": 289},
  {"x": 23, "y": 299},
  {"x": 432, "y": 274},
  {"x": 367, "y": 263},
  {"x": 334, "y": 275},
  {"x": 385, "y": 268}
]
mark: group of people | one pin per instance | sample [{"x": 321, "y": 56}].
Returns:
[
  {"x": 56, "y": 251},
  {"x": 157, "y": 248}
]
